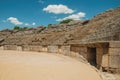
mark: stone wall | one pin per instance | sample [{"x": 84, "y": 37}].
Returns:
[
  {"x": 10, "y": 47},
  {"x": 65, "y": 50},
  {"x": 114, "y": 57},
  {"x": 107, "y": 58},
  {"x": 53, "y": 49},
  {"x": 19, "y": 48},
  {"x": 34, "y": 48},
  {"x": 78, "y": 50}
]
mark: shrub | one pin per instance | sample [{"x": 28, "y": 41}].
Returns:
[
  {"x": 66, "y": 21},
  {"x": 19, "y": 28},
  {"x": 16, "y": 28}
]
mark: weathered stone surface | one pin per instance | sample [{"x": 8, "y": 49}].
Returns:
[
  {"x": 53, "y": 49},
  {"x": 99, "y": 54},
  {"x": 19, "y": 48},
  {"x": 114, "y": 61},
  {"x": 105, "y": 61},
  {"x": 10, "y": 47},
  {"x": 114, "y": 51},
  {"x": 79, "y": 50},
  {"x": 65, "y": 50},
  {"x": 115, "y": 44}
]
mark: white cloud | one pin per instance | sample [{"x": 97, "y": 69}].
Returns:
[
  {"x": 58, "y": 9},
  {"x": 41, "y": 1},
  {"x": 77, "y": 16},
  {"x": 14, "y": 21},
  {"x": 33, "y": 23},
  {"x": 27, "y": 24}
]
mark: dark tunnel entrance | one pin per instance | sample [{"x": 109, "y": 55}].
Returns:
[{"x": 92, "y": 56}]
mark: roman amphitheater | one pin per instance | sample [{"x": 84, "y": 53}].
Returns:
[{"x": 79, "y": 50}]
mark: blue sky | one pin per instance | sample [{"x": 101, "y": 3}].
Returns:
[{"x": 33, "y": 13}]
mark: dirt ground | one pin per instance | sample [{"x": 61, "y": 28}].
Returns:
[{"x": 16, "y": 65}]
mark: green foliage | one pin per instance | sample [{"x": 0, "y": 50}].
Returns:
[
  {"x": 66, "y": 21},
  {"x": 16, "y": 28},
  {"x": 19, "y": 28},
  {"x": 24, "y": 28}
]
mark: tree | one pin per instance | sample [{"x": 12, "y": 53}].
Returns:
[
  {"x": 66, "y": 21},
  {"x": 17, "y": 28},
  {"x": 20, "y": 28}
]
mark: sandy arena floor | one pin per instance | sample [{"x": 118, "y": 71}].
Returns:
[{"x": 16, "y": 65}]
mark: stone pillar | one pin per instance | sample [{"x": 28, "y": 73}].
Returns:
[
  {"x": 104, "y": 64},
  {"x": 102, "y": 57}
]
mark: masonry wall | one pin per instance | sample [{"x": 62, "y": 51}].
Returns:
[
  {"x": 53, "y": 49},
  {"x": 78, "y": 50},
  {"x": 10, "y": 47},
  {"x": 101, "y": 54},
  {"x": 19, "y": 48},
  {"x": 107, "y": 58},
  {"x": 34, "y": 48},
  {"x": 26, "y": 48},
  {"x": 65, "y": 50},
  {"x": 114, "y": 57}
]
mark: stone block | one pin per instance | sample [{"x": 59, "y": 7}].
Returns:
[
  {"x": 99, "y": 54},
  {"x": 114, "y": 51},
  {"x": 114, "y": 44},
  {"x": 19, "y": 48},
  {"x": 26, "y": 48},
  {"x": 114, "y": 61},
  {"x": 43, "y": 49},
  {"x": 65, "y": 50},
  {"x": 10, "y": 47},
  {"x": 104, "y": 60},
  {"x": 53, "y": 49},
  {"x": 35, "y": 48}
]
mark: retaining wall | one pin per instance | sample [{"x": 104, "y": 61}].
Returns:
[
  {"x": 114, "y": 57},
  {"x": 10, "y": 47},
  {"x": 52, "y": 49},
  {"x": 34, "y": 48},
  {"x": 65, "y": 50},
  {"x": 107, "y": 58},
  {"x": 78, "y": 50}
]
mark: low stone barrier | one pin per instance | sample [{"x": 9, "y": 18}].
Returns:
[
  {"x": 53, "y": 49},
  {"x": 10, "y": 47},
  {"x": 107, "y": 58}
]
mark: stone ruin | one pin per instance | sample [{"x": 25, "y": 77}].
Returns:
[{"x": 97, "y": 40}]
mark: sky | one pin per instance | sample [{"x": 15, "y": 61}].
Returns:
[{"x": 34, "y": 13}]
